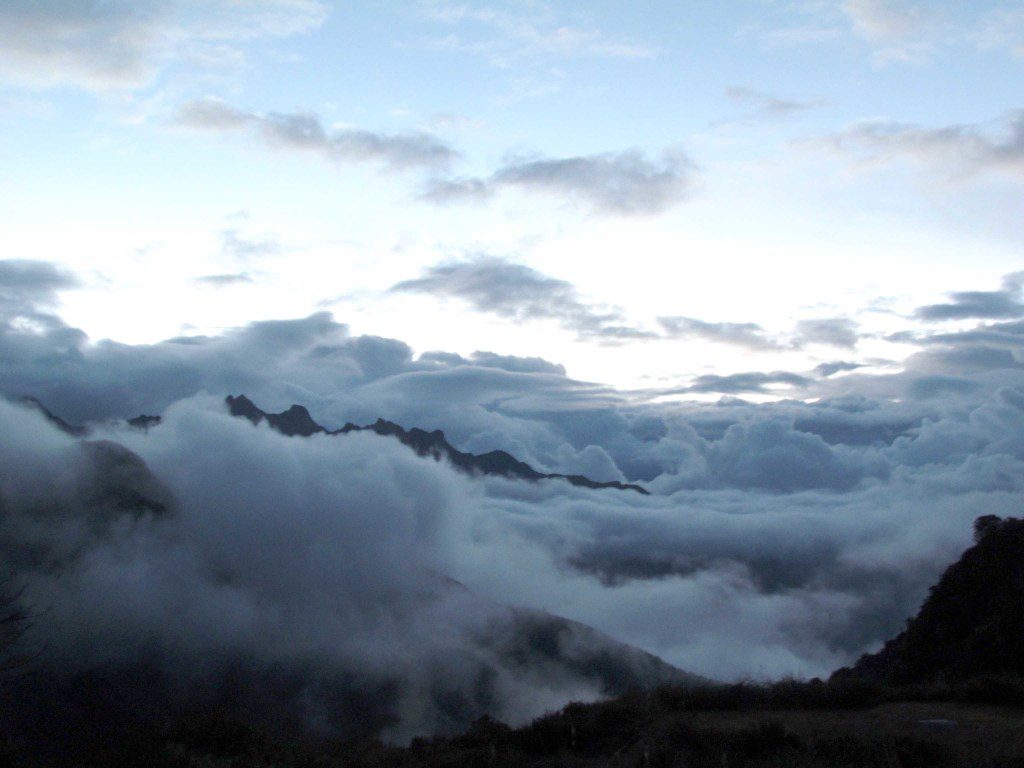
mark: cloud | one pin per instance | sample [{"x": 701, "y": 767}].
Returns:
[
  {"x": 522, "y": 34},
  {"x": 223, "y": 281},
  {"x": 236, "y": 245},
  {"x": 899, "y": 30},
  {"x": 747, "y": 335},
  {"x": 766, "y": 106},
  {"x": 313, "y": 595},
  {"x": 988, "y": 305},
  {"x": 757, "y": 382},
  {"x": 1002, "y": 28},
  {"x": 623, "y": 183},
  {"x": 520, "y": 293},
  {"x": 305, "y": 132},
  {"x": 886, "y": 20},
  {"x": 125, "y": 45},
  {"x": 35, "y": 280},
  {"x": 957, "y": 152},
  {"x": 839, "y": 366},
  {"x": 785, "y": 538},
  {"x": 517, "y": 292},
  {"x": 29, "y": 291},
  {"x": 833, "y": 331}
]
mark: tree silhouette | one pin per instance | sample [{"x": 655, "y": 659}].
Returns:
[{"x": 14, "y": 624}]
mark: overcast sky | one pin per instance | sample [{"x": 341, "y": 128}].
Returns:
[{"x": 645, "y": 194}]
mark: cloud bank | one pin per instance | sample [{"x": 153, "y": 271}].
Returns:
[{"x": 779, "y": 539}]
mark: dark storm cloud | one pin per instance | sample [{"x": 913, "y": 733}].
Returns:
[
  {"x": 305, "y": 132},
  {"x": 517, "y": 292},
  {"x": 955, "y": 151},
  {"x": 983, "y": 305},
  {"x": 624, "y": 183}
]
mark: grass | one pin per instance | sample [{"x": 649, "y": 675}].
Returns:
[{"x": 794, "y": 724}]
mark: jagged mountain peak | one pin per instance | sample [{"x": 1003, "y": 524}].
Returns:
[{"x": 296, "y": 421}]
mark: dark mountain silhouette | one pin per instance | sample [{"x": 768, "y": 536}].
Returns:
[
  {"x": 296, "y": 421},
  {"x": 57, "y": 421},
  {"x": 971, "y": 624},
  {"x": 144, "y": 422}
]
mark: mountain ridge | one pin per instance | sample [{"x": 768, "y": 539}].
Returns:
[
  {"x": 297, "y": 421},
  {"x": 972, "y": 622}
]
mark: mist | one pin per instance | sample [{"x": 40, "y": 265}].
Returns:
[{"x": 359, "y": 588}]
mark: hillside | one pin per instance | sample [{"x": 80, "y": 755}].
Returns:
[{"x": 972, "y": 622}]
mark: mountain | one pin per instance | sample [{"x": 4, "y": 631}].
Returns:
[
  {"x": 71, "y": 429},
  {"x": 422, "y": 654},
  {"x": 972, "y": 622},
  {"x": 296, "y": 421}
]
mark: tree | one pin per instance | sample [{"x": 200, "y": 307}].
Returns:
[
  {"x": 984, "y": 525},
  {"x": 14, "y": 624}
]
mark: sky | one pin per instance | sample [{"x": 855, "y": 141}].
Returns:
[
  {"x": 762, "y": 258},
  {"x": 199, "y": 166}
]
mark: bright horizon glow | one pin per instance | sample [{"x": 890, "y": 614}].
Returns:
[{"x": 811, "y": 147}]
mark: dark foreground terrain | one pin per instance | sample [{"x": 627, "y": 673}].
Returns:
[
  {"x": 946, "y": 692},
  {"x": 974, "y": 724}
]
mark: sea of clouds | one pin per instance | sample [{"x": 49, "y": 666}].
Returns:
[{"x": 780, "y": 539}]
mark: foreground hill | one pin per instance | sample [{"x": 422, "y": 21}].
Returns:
[
  {"x": 872, "y": 718},
  {"x": 972, "y": 622}
]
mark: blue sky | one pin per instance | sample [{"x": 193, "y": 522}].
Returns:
[{"x": 199, "y": 166}]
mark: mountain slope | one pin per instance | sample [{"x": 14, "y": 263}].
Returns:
[
  {"x": 972, "y": 622},
  {"x": 296, "y": 421}
]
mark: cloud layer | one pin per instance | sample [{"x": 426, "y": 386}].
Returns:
[{"x": 779, "y": 539}]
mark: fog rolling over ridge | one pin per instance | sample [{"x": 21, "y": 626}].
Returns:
[
  {"x": 232, "y": 565},
  {"x": 356, "y": 586},
  {"x": 350, "y": 585}
]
